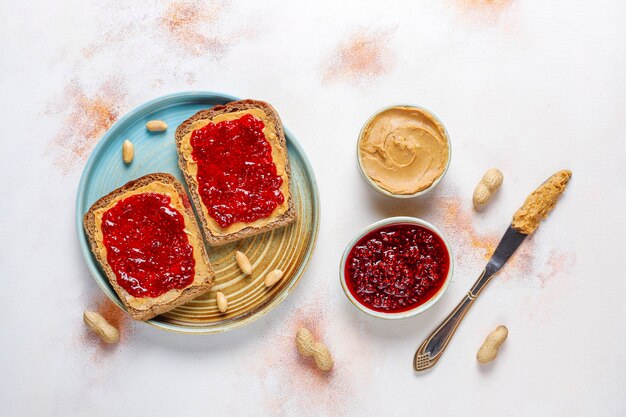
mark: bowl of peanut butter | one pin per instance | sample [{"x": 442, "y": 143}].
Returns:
[{"x": 403, "y": 151}]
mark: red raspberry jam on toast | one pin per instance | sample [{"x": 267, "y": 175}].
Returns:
[
  {"x": 237, "y": 177},
  {"x": 147, "y": 246}
]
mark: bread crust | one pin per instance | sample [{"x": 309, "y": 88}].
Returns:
[
  {"x": 185, "y": 128},
  {"x": 189, "y": 293}
]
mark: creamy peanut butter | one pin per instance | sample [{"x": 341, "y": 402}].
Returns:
[
  {"x": 279, "y": 157},
  {"x": 201, "y": 270},
  {"x": 404, "y": 149},
  {"x": 540, "y": 202}
]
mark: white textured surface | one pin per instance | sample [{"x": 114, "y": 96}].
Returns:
[{"x": 529, "y": 87}]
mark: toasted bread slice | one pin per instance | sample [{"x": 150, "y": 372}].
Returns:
[
  {"x": 274, "y": 134},
  {"x": 144, "y": 308}
]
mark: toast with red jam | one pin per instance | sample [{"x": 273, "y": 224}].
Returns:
[
  {"x": 147, "y": 240},
  {"x": 235, "y": 161}
]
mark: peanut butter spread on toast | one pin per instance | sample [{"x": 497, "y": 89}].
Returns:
[{"x": 540, "y": 202}]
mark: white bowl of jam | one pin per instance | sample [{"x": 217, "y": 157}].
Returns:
[{"x": 396, "y": 268}]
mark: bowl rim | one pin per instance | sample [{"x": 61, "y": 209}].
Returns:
[
  {"x": 403, "y": 314},
  {"x": 377, "y": 187}
]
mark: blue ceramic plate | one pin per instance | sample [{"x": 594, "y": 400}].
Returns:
[{"x": 288, "y": 248}]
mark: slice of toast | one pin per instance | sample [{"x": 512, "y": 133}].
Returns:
[
  {"x": 274, "y": 134},
  {"x": 144, "y": 308}
]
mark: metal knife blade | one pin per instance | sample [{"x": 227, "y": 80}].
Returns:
[{"x": 510, "y": 241}]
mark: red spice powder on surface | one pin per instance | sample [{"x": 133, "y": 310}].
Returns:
[
  {"x": 198, "y": 27},
  {"x": 458, "y": 222},
  {"x": 114, "y": 315},
  {"x": 523, "y": 267},
  {"x": 99, "y": 359},
  {"x": 89, "y": 117},
  {"x": 115, "y": 34},
  {"x": 190, "y": 78},
  {"x": 472, "y": 247},
  {"x": 486, "y": 11},
  {"x": 195, "y": 27},
  {"x": 297, "y": 384},
  {"x": 528, "y": 267},
  {"x": 486, "y": 4},
  {"x": 558, "y": 263},
  {"x": 364, "y": 56}
]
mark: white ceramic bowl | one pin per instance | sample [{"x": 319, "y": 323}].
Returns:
[
  {"x": 377, "y": 187},
  {"x": 403, "y": 314}
]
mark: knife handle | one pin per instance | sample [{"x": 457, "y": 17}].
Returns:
[{"x": 433, "y": 347}]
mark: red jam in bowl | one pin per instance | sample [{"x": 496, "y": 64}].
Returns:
[
  {"x": 147, "y": 246},
  {"x": 397, "y": 267},
  {"x": 237, "y": 178}
]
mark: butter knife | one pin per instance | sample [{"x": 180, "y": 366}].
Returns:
[{"x": 525, "y": 221}]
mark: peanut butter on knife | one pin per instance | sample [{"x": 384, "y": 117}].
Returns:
[{"x": 540, "y": 202}]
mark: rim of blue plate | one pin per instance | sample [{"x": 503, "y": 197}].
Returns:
[{"x": 147, "y": 108}]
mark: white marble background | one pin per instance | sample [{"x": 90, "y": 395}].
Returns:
[{"x": 527, "y": 86}]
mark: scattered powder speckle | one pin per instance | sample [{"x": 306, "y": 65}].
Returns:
[
  {"x": 190, "y": 78},
  {"x": 473, "y": 247},
  {"x": 523, "y": 265},
  {"x": 485, "y": 11},
  {"x": 89, "y": 116},
  {"x": 364, "y": 56},
  {"x": 557, "y": 263},
  {"x": 197, "y": 27},
  {"x": 114, "y": 315},
  {"x": 458, "y": 222},
  {"x": 487, "y": 4},
  {"x": 200, "y": 28},
  {"x": 99, "y": 360},
  {"x": 292, "y": 381},
  {"x": 527, "y": 267},
  {"x": 522, "y": 268},
  {"x": 118, "y": 34}
]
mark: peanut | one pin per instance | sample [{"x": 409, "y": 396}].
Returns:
[
  {"x": 107, "y": 332},
  {"x": 308, "y": 346},
  {"x": 489, "y": 349},
  {"x": 273, "y": 277},
  {"x": 489, "y": 183},
  {"x": 222, "y": 302},
  {"x": 243, "y": 262},
  {"x": 128, "y": 151},
  {"x": 156, "y": 126}
]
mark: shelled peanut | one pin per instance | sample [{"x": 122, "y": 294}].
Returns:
[
  {"x": 156, "y": 126},
  {"x": 128, "y": 151},
  {"x": 222, "y": 302},
  {"x": 273, "y": 277},
  {"x": 243, "y": 262}
]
